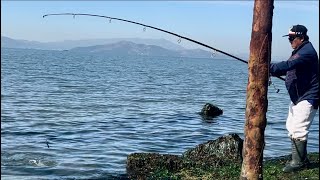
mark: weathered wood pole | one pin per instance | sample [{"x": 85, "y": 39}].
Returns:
[{"x": 257, "y": 88}]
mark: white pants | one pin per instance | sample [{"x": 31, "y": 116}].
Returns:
[{"x": 299, "y": 119}]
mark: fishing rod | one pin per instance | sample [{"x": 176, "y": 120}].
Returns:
[{"x": 152, "y": 27}]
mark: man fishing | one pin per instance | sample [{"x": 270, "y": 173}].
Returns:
[
  {"x": 301, "y": 71},
  {"x": 302, "y": 83}
]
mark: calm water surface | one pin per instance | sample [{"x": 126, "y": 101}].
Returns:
[{"x": 94, "y": 110}]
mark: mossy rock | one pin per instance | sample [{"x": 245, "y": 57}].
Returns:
[
  {"x": 212, "y": 154},
  {"x": 143, "y": 165}
]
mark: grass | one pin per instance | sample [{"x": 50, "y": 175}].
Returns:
[{"x": 272, "y": 170}]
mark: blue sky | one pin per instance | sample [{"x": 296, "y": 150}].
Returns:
[{"x": 225, "y": 25}]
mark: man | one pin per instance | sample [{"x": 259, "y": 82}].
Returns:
[{"x": 302, "y": 83}]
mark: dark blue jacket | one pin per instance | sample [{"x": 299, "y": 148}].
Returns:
[{"x": 302, "y": 74}]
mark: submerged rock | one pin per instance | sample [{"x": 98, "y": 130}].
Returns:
[
  {"x": 210, "y": 111},
  {"x": 214, "y": 153}
]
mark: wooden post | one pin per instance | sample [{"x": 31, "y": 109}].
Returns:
[{"x": 257, "y": 88}]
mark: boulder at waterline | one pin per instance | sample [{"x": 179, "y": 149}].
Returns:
[
  {"x": 142, "y": 165},
  {"x": 214, "y": 153},
  {"x": 225, "y": 149}
]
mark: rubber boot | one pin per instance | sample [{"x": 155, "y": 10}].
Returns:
[{"x": 299, "y": 156}]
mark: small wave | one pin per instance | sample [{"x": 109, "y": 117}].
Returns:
[{"x": 36, "y": 163}]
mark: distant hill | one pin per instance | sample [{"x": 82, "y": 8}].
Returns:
[
  {"x": 69, "y": 44},
  {"x": 13, "y": 43},
  {"x": 130, "y": 48},
  {"x": 115, "y": 46}
]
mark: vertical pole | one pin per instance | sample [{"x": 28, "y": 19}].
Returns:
[{"x": 257, "y": 88}]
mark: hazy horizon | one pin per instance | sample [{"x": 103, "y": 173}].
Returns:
[{"x": 94, "y": 42}]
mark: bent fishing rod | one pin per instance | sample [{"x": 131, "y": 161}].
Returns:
[{"x": 152, "y": 27}]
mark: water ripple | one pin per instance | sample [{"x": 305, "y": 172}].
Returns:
[{"x": 94, "y": 110}]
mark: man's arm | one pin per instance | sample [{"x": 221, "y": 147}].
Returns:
[{"x": 281, "y": 68}]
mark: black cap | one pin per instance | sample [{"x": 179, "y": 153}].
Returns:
[{"x": 297, "y": 30}]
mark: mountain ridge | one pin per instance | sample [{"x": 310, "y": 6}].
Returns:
[
  {"x": 129, "y": 46},
  {"x": 132, "y": 48},
  {"x": 69, "y": 44}
]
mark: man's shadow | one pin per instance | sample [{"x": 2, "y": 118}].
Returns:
[{"x": 313, "y": 165}]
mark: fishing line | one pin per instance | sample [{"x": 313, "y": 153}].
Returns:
[
  {"x": 152, "y": 27},
  {"x": 269, "y": 75},
  {"x": 47, "y": 143}
]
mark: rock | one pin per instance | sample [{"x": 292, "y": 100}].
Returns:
[
  {"x": 142, "y": 165},
  {"x": 225, "y": 149},
  {"x": 214, "y": 153},
  {"x": 210, "y": 111}
]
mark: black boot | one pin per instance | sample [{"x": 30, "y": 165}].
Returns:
[{"x": 299, "y": 156}]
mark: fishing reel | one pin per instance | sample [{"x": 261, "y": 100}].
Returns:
[{"x": 274, "y": 86}]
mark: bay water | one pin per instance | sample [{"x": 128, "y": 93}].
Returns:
[{"x": 68, "y": 115}]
